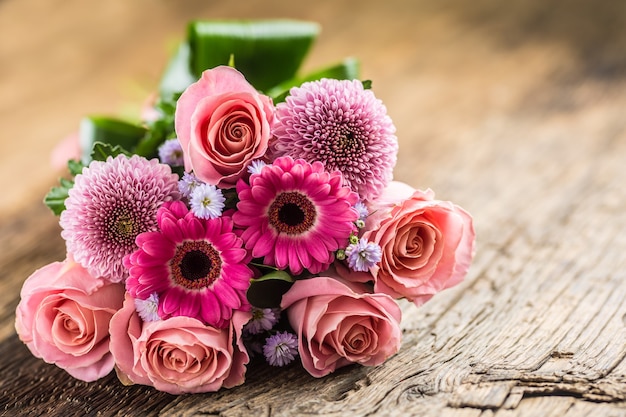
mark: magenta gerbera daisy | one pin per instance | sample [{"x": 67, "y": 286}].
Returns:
[
  {"x": 110, "y": 204},
  {"x": 342, "y": 125},
  {"x": 196, "y": 267},
  {"x": 295, "y": 214}
]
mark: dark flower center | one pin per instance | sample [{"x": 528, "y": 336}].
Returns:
[
  {"x": 292, "y": 212},
  {"x": 196, "y": 265}
]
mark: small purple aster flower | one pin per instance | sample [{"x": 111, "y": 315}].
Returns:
[
  {"x": 148, "y": 309},
  {"x": 363, "y": 255},
  {"x": 361, "y": 208},
  {"x": 342, "y": 125},
  {"x": 263, "y": 319},
  {"x": 256, "y": 166},
  {"x": 207, "y": 201},
  {"x": 110, "y": 204},
  {"x": 281, "y": 349},
  {"x": 171, "y": 153},
  {"x": 187, "y": 184}
]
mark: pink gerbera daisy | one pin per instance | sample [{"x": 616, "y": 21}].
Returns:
[
  {"x": 342, "y": 125},
  {"x": 196, "y": 267},
  {"x": 110, "y": 204},
  {"x": 295, "y": 214}
]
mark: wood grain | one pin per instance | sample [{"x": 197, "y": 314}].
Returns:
[{"x": 513, "y": 110}]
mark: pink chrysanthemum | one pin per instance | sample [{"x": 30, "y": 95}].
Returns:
[
  {"x": 110, "y": 204},
  {"x": 342, "y": 125},
  {"x": 295, "y": 214},
  {"x": 197, "y": 267}
]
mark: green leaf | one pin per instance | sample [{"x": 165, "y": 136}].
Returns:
[
  {"x": 101, "y": 151},
  {"x": 75, "y": 167},
  {"x": 110, "y": 131},
  {"x": 267, "y": 291},
  {"x": 178, "y": 75},
  {"x": 159, "y": 130},
  {"x": 267, "y": 52},
  {"x": 348, "y": 69},
  {"x": 55, "y": 199}
]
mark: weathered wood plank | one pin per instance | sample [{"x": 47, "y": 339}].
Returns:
[{"x": 514, "y": 112}]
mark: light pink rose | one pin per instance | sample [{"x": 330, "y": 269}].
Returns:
[
  {"x": 427, "y": 244},
  {"x": 66, "y": 149},
  {"x": 178, "y": 355},
  {"x": 222, "y": 123},
  {"x": 338, "y": 323},
  {"x": 63, "y": 317}
]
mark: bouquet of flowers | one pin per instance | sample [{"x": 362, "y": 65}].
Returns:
[{"x": 250, "y": 213}]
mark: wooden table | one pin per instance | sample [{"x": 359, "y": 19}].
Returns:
[{"x": 514, "y": 110}]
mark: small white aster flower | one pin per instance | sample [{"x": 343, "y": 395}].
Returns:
[
  {"x": 256, "y": 166},
  {"x": 187, "y": 184},
  {"x": 363, "y": 255},
  {"x": 148, "y": 309},
  {"x": 207, "y": 201}
]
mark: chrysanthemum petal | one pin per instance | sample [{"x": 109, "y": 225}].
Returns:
[
  {"x": 343, "y": 126},
  {"x": 110, "y": 204}
]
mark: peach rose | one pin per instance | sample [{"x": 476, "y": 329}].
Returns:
[
  {"x": 63, "y": 317},
  {"x": 427, "y": 244},
  {"x": 178, "y": 355},
  {"x": 339, "y": 324},
  {"x": 222, "y": 123}
]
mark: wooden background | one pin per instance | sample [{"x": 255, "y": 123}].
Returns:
[{"x": 514, "y": 110}]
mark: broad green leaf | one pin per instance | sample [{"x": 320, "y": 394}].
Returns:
[
  {"x": 177, "y": 76},
  {"x": 348, "y": 69},
  {"x": 114, "y": 132},
  {"x": 267, "y": 52},
  {"x": 267, "y": 291},
  {"x": 101, "y": 151}
]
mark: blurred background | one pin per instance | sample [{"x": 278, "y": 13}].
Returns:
[{"x": 456, "y": 76}]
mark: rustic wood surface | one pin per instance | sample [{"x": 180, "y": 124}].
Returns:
[{"x": 514, "y": 110}]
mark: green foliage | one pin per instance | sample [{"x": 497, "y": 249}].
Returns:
[
  {"x": 267, "y": 291},
  {"x": 75, "y": 167},
  {"x": 348, "y": 69},
  {"x": 265, "y": 51},
  {"x": 101, "y": 151},
  {"x": 110, "y": 131},
  {"x": 55, "y": 199},
  {"x": 159, "y": 130}
]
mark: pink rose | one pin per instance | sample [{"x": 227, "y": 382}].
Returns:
[
  {"x": 222, "y": 123},
  {"x": 63, "y": 317},
  {"x": 339, "y": 324},
  {"x": 427, "y": 244},
  {"x": 180, "y": 354},
  {"x": 66, "y": 149}
]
